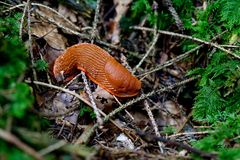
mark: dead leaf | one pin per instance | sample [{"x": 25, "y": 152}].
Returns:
[{"x": 50, "y": 34}]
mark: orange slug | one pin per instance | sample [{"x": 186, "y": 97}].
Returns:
[{"x": 99, "y": 66}]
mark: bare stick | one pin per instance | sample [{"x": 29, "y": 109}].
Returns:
[
  {"x": 95, "y": 22},
  {"x": 148, "y": 52},
  {"x": 95, "y": 109},
  {"x": 9, "y": 137},
  {"x": 56, "y": 12},
  {"x": 155, "y": 127},
  {"x": 188, "y": 37},
  {"x": 52, "y": 147},
  {"x": 22, "y": 20},
  {"x": 189, "y": 133},
  {"x": 173, "y": 12},
  {"x": 169, "y": 63},
  {"x": 143, "y": 96},
  {"x": 28, "y": 5}
]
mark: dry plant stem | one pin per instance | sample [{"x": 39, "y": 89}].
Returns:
[
  {"x": 176, "y": 59},
  {"x": 62, "y": 26},
  {"x": 13, "y": 7},
  {"x": 188, "y": 37},
  {"x": 148, "y": 52},
  {"x": 70, "y": 82},
  {"x": 44, "y": 6},
  {"x": 142, "y": 97},
  {"x": 155, "y": 127},
  {"x": 189, "y": 133},
  {"x": 5, "y": 3},
  {"x": 173, "y": 12},
  {"x": 95, "y": 109},
  {"x": 22, "y": 19},
  {"x": 119, "y": 103},
  {"x": 60, "y": 15},
  {"x": 170, "y": 62},
  {"x": 28, "y": 4},
  {"x": 95, "y": 22},
  {"x": 81, "y": 34},
  {"x": 61, "y": 89},
  {"x": 153, "y": 138},
  {"x": 52, "y": 147},
  {"x": 9, "y": 137},
  {"x": 74, "y": 94}
]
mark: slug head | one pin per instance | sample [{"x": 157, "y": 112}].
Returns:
[{"x": 63, "y": 69}]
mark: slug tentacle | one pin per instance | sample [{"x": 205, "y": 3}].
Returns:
[{"x": 100, "y": 67}]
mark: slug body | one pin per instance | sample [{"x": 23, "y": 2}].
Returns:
[{"x": 99, "y": 66}]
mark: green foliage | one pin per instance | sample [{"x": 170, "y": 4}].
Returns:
[
  {"x": 41, "y": 65},
  {"x": 230, "y": 13},
  {"x": 217, "y": 102},
  {"x": 223, "y": 138},
  {"x": 219, "y": 89},
  {"x": 169, "y": 130},
  {"x": 85, "y": 110},
  {"x": 15, "y": 96}
]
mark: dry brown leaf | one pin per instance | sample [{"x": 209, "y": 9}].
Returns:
[{"x": 50, "y": 34}]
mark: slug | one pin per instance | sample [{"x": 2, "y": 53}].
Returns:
[{"x": 99, "y": 66}]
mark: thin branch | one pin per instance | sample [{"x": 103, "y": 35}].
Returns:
[
  {"x": 57, "y": 13},
  {"x": 95, "y": 22},
  {"x": 190, "y": 133},
  {"x": 169, "y": 63},
  {"x": 9, "y": 137},
  {"x": 173, "y": 12},
  {"x": 143, "y": 96},
  {"x": 153, "y": 138},
  {"x": 22, "y": 19},
  {"x": 147, "y": 53},
  {"x": 176, "y": 59},
  {"x": 188, "y": 37},
  {"x": 155, "y": 127},
  {"x": 52, "y": 147},
  {"x": 95, "y": 109}
]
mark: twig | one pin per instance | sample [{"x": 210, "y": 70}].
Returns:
[
  {"x": 95, "y": 109},
  {"x": 77, "y": 96},
  {"x": 95, "y": 22},
  {"x": 28, "y": 4},
  {"x": 173, "y": 12},
  {"x": 62, "y": 26},
  {"x": 143, "y": 96},
  {"x": 188, "y": 37},
  {"x": 176, "y": 59},
  {"x": 153, "y": 138},
  {"x": 190, "y": 133},
  {"x": 155, "y": 127},
  {"x": 22, "y": 19},
  {"x": 52, "y": 147},
  {"x": 147, "y": 53},
  {"x": 169, "y": 63},
  {"x": 59, "y": 14},
  {"x": 9, "y": 137}
]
